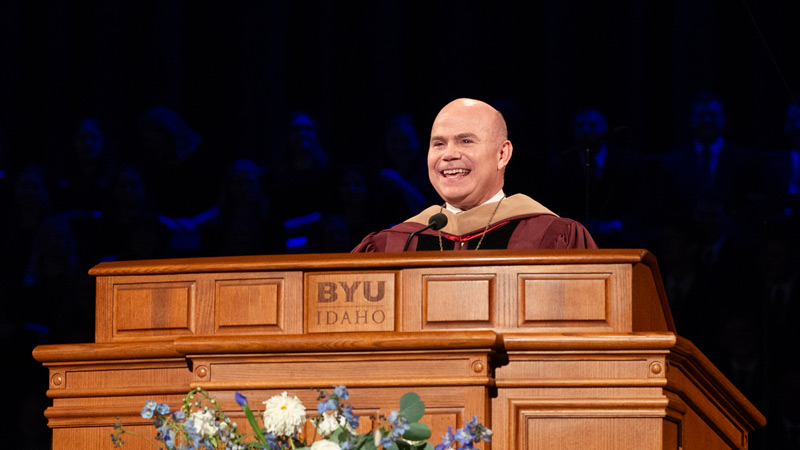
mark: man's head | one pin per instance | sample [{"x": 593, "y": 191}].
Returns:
[
  {"x": 469, "y": 150},
  {"x": 708, "y": 118},
  {"x": 589, "y": 123},
  {"x": 89, "y": 140}
]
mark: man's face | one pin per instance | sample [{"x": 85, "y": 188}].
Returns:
[
  {"x": 467, "y": 154},
  {"x": 89, "y": 140},
  {"x": 708, "y": 120},
  {"x": 588, "y": 124}
]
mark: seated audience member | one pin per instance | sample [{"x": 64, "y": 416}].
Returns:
[
  {"x": 182, "y": 173},
  {"x": 58, "y": 293},
  {"x": 86, "y": 177},
  {"x": 242, "y": 222},
  {"x": 28, "y": 207},
  {"x": 353, "y": 214},
  {"x": 709, "y": 169},
  {"x": 603, "y": 189},
  {"x": 293, "y": 184},
  {"x": 401, "y": 173},
  {"x": 130, "y": 225},
  {"x": 468, "y": 153}
]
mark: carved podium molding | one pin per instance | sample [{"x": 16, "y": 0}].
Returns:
[{"x": 554, "y": 349}]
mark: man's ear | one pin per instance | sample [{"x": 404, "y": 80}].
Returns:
[{"x": 504, "y": 155}]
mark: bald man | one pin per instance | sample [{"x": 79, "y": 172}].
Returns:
[{"x": 467, "y": 156}]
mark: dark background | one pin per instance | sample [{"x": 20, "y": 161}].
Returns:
[{"x": 235, "y": 71}]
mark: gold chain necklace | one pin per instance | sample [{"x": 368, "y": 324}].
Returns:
[{"x": 480, "y": 241}]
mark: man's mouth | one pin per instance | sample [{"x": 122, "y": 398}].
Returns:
[{"x": 455, "y": 172}]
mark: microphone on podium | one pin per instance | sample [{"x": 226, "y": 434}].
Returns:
[{"x": 436, "y": 222}]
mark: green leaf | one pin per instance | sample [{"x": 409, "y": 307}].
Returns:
[
  {"x": 417, "y": 432},
  {"x": 339, "y": 435},
  {"x": 256, "y": 429},
  {"x": 412, "y": 407}
]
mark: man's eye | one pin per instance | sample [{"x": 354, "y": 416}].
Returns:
[{"x": 466, "y": 141}]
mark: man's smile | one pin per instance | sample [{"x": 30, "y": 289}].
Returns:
[{"x": 453, "y": 173}]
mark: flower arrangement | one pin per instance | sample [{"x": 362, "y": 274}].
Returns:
[{"x": 201, "y": 424}]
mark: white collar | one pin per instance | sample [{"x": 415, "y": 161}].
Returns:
[{"x": 496, "y": 198}]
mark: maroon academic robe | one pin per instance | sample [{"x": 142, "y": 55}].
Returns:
[{"x": 519, "y": 223}]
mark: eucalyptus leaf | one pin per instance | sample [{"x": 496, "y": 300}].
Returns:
[
  {"x": 339, "y": 435},
  {"x": 417, "y": 432},
  {"x": 412, "y": 407}
]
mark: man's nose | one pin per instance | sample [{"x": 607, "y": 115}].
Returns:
[{"x": 450, "y": 153}]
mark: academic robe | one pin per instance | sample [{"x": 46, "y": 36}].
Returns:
[{"x": 520, "y": 223}]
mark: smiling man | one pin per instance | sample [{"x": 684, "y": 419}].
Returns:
[{"x": 468, "y": 153}]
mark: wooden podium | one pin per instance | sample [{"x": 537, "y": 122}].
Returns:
[{"x": 552, "y": 349}]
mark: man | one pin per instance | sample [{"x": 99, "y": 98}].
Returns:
[
  {"x": 467, "y": 156},
  {"x": 605, "y": 193}
]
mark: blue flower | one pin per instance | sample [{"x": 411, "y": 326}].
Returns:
[
  {"x": 149, "y": 409},
  {"x": 341, "y": 392},
  {"x": 399, "y": 424},
  {"x": 447, "y": 440},
  {"x": 463, "y": 436},
  {"x": 179, "y": 415},
  {"x": 193, "y": 436},
  {"x": 387, "y": 441},
  {"x": 327, "y": 405},
  {"x": 162, "y": 409},
  {"x": 352, "y": 420},
  {"x": 240, "y": 399},
  {"x": 272, "y": 440}
]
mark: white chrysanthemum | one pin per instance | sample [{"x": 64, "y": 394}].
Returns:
[
  {"x": 204, "y": 423},
  {"x": 326, "y": 424},
  {"x": 325, "y": 445},
  {"x": 284, "y": 415}
]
